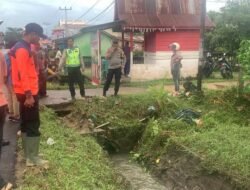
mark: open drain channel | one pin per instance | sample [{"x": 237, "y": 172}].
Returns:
[
  {"x": 177, "y": 172},
  {"x": 137, "y": 177}
]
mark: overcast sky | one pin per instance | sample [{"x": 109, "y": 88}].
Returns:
[{"x": 17, "y": 13}]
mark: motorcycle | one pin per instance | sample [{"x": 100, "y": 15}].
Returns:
[
  {"x": 208, "y": 66},
  {"x": 226, "y": 69}
]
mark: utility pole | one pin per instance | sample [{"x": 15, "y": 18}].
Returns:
[
  {"x": 65, "y": 9},
  {"x": 46, "y": 24},
  {"x": 202, "y": 36}
]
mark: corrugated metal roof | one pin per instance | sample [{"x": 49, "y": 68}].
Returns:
[{"x": 159, "y": 14}]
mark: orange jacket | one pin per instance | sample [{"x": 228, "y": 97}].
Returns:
[{"x": 24, "y": 74}]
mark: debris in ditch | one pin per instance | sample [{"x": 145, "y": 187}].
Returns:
[
  {"x": 142, "y": 120},
  {"x": 102, "y": 125},
  {"x": 188, "y": 115},
  {"x": 157, "y": 161},
  {"x": 91, "y": 124},
  {"x": 50, "y": 141},
  {"x": 240, "y": 108},
  {"x": 198, "y": 122},
  {"x": 87, "y": 131},
  {"x": 93, "y": 117},
  {"x": 151, "y": 111}
]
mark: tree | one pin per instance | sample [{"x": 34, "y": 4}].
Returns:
[
  {"x": 232, "y": 26},
  {"x": 13, "y": 35},
  {"x": 244, "y": 59}
]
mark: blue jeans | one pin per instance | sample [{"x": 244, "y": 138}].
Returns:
[
  {"x": 176, "y": 79},
  {"x": 127, "y": 68}
]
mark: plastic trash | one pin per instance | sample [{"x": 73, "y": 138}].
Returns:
[{"x": 50, "y": 141}]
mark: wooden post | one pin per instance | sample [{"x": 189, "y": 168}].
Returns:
[
  {"x": 202, "y": 35},
  {"x": 99, "y": 67},
  {"x": 241, "y": 82},
  {"x": 122, "y": 39},
  {"x": 131, "y": 49}
]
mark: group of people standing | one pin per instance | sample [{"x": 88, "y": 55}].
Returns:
[
  {"x": 23, "y": 72},
  {"x": 72, "y": 61}
]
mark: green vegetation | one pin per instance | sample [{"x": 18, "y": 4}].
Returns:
[
  {"x": 75, "y": 162},
  {"x": 244, "y": 58},
  {"x": 232, "y": 26},
  {"x": 220, "y": 138}
]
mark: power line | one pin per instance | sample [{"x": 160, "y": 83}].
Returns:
[
  {"x": 102, "y": 12},
  {"x": 107, "y": 11},
  {"x": 65, "y": 9},
  {"x": 97, "y": 1},
  {"x": 217, "y": 1}
]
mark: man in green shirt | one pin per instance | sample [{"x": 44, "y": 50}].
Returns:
[{"x": 72, "y": 60}]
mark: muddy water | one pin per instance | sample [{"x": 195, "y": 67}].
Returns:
[{"x": 138, "y": 178}]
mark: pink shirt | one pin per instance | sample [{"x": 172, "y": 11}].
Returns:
[{"x": 3, "y": 73}]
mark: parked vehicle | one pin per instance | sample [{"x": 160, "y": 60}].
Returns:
[
  {"x": 225, "y": 67},
  {"x": 208, "y": 66}
]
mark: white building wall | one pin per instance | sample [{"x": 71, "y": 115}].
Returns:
[{"x": 157, "y": 66}]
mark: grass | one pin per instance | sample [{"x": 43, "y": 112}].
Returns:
[
  {"x": 221, "y": 140},
  {"x": 75, "y": 162},
  {"x": 224, "y": 148}
]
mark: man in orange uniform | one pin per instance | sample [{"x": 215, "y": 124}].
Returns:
[{"x": 25, "y": 84}]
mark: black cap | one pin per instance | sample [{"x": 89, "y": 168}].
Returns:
[
  {"x": 115, "y": 41},
  {"x": 33, "y": 27}
]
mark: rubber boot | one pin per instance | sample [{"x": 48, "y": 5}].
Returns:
[
  {"x": 37, "y": 159},
  {"x": 32, "y": 159},
  {"x": 29, "y": 144},
  {"x": 23, "y": 136},
  {"x": 104, "y": 93}
]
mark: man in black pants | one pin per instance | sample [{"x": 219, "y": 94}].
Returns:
[
  {"x": 25, "y": 83},
  {"x": 116, "y": 59},
  {"x": 72, "y": 60}
]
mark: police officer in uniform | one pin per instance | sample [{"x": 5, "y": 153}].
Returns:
[{"x": 72, "y": 60}]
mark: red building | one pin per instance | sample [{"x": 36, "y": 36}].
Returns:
[{"x": 163, "y": 22}]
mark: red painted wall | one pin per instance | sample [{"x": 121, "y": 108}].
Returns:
[{"x": 188, "y": 40}]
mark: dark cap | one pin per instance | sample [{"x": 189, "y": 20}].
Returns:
[
  {"x": 33, "y": 27},
  {"x": 115, "y": 41}
]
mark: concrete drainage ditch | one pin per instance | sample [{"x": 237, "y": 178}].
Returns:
[{"x": 178, "y": 170}]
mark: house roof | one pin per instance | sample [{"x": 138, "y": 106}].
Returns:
[
  {"x": 163, "y": 15},
  {"x": 115, "y": 24},
  {"x": 144, "y": 22},
  {"x": 118, "y": 35}
]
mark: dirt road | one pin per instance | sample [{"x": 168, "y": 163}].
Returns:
[{"x": 61, "y": 96}]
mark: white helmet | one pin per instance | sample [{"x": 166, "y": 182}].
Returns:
[{"x": 176, "y": 45}]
